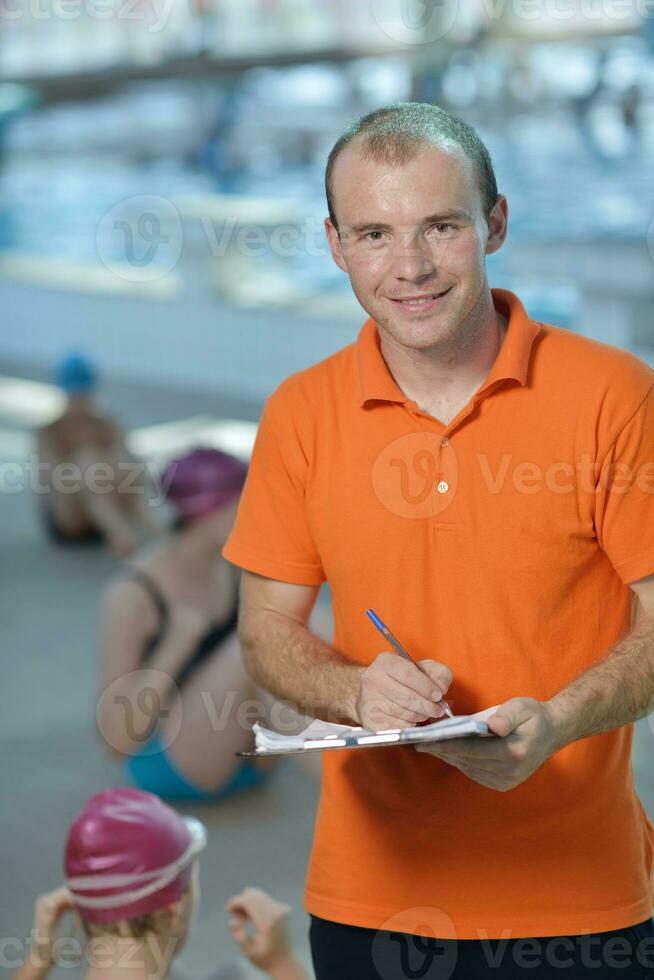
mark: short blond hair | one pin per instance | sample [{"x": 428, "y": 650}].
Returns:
[{"x": 395, "y": 134}]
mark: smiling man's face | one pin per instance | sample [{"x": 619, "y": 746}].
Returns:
[{"x": 413, "y": 238}]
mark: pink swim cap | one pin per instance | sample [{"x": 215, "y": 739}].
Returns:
[
  {"x": 202, "y": 481},
  {"x": 128, "y": 853}
]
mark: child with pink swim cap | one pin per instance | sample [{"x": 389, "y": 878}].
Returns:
[{"x": 131, "y": 866}]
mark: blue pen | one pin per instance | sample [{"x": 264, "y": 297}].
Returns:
[{"x": 397, "y": 646}]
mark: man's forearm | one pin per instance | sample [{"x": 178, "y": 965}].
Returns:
[
  {"x": 295, "y": 665},
  {"x": 614, "y": 692}
]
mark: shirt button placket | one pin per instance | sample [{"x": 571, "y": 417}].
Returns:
[{"x": 443, "y": 486}]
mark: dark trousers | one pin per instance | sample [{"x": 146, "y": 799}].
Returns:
[{"x": 342, "y": 952}]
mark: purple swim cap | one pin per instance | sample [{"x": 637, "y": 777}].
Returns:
[
  {"x": 202, "y": 481},
  {"x": 128, "y": 854}
]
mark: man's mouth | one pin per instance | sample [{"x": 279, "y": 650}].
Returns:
[{"x": 423, "y": 302}]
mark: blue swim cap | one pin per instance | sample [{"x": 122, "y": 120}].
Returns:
[{"x": 75, "y": 374}]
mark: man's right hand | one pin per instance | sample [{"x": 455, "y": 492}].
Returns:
[{"x": 395, "y": 694}]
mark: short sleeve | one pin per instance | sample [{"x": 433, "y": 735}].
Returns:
[
  {"x": 271, "y": 535},
  {"x": 624, "y": 496}
]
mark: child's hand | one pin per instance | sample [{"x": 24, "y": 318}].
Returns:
[
  {"x": 266, "y": 944},
  {"x": 48, "y": 910}
]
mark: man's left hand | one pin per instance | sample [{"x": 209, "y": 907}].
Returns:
[{"x": 527, "y": 738}]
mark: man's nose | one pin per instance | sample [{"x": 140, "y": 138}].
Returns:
[{"x": 412, "y": 259}]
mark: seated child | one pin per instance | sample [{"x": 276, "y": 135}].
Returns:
[{"x": 131, "y": 866}]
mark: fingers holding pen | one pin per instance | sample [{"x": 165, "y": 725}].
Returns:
[
  {"x": 439, "y": 673},
  {"x": 397, "y": 694}
]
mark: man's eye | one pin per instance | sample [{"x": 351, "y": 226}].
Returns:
[
  {"x": 443, "y": 225},
  {"x": 370, "y": 233}
]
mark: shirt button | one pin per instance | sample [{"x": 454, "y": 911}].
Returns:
[
  {"x": 443, "y": 487},
  {"x": 445, "y": 442}
]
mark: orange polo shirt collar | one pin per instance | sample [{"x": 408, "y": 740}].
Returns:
[{"x": 376, "y": 382}]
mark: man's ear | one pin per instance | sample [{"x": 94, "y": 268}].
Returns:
[
  {"x": 335, "y": 246},
  {"x": 498, "y": 225}
]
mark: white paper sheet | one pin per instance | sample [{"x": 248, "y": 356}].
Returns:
[{"x": 460, "y": 726}]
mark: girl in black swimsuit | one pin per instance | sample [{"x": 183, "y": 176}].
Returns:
[
  {"x": 206, "y": 644},
  {"x": 175, "y": 689}
]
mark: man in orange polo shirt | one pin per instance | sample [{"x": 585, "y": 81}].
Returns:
[{"x": 485, "y": 483}]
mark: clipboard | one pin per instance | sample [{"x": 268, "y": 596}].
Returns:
[{"x": 325, "y": 737}]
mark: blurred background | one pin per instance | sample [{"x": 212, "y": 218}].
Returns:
[{"x": 161, "y": 209}]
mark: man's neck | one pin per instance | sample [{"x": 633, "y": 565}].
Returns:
[{"x": 451, "y": 373}]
